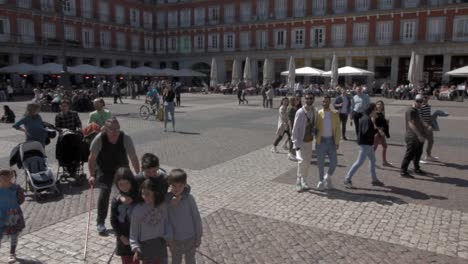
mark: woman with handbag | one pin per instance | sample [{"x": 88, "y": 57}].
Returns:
[
  {"x": 382, "y": 125},
  {"x": 32, "y": 125}
]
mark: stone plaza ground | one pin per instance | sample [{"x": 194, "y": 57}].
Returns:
[{"x": 246, "y": 194}]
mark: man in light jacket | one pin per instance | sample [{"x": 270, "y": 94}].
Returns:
[{"x": 302, "y": 137}]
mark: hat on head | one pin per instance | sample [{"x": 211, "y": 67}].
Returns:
[{"x": 419, "y": 97}]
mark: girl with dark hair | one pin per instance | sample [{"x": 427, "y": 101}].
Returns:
[
  {"x": 382, "y": 125},
  {"x": 121, "y": 210},
  {"x": 366, "y": 134},
  {"x": 8, "y": 115},
  {"x": 283, "y": 125},
  {"x": 149, "y": 226}
]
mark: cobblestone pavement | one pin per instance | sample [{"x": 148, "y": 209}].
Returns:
[{"x": 251, "y": 212}]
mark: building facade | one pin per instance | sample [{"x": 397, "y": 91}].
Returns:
[{"x": 377, "y": 35}]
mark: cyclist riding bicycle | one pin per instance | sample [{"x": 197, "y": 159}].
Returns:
[{"x": 153, "y": 97}]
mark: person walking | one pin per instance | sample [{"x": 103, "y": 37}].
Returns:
[
  {"x": 302, "y": 136},
  {"x": 327, "y": 142},
  {"x": 270, "y": 93},
  {"x": 292, "y": 109},
  {"x": 383, "y": 131},
  {"x": 343, "y": 106},
  {"x": 263, "y": 93},
  {"x": 426, "y": 115},
  {"x": 283, "y": 125},
  {"x": 32, "y": 123},
  {"x": 359, "y": 103},
  {"x": 366, "y": 141},
  {"x": 116, "y": 92},
  {"x": 10, "y": 91},
  {"x": 240, "y": 88},
  {"x": 415, "y": 136},
  {"x": 110, "y": 150},
  {"x": 168, "y": 99}
]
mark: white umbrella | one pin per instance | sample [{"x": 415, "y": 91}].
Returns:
[
  {"x": 334, "y": 72},
  {"x": 460, "y": 72},
  {"x": 189, "y": 73},
  {"x": 145, "y": 71},
  {"x": 291, "y": 72},
  {"x": 167, "y": 72},
  {"x": 235, "y": 72},
  {"x": 213, "y": 73},
  {"x": 305, "y": 71},
  {"x": 349, "y": 71},
  {"x": 86, "y": 69},
  {"x": 49, "y": 68},
  {"x": 118, "y": 70},
  {"x": 247, "y": 71},
  {"x": 413, "y": 71},
  {"x": 22, "y": 68}
]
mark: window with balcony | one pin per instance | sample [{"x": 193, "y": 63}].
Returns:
[
  {"x": 199, "y": 43},
  {"x": 185, "y": 44},
  {"x": 338, "y": 35},
  {"x": 104, "y": 11},
  {"x": 26, "y": 30},
  {"x": 48, "y": 31},
  {"x": 319, "y": 7},
  {"x": 262, "y": 39},
  {"x": 213, "y": 15},
  {"x": 298, "y": 37},
  {"x": 119, "y": 14},
  {"x": 408, "y": 31},
  {"x": 438, "y": 2},
  {"x": 280, "y": 39},
  {"x": 385, "y": 4},
  {"x": 47, "y": 5},
  {"x": 121, "y": 40},
  {"x": 246, "y": 11},
  {"x": 87, "y": 8},
  {"x": 229, "y": 41},
  {"x": 135, "y": 43},
  {"x": 360, "y": 34},
  {"x": 161, "y": 20},
  {"x": 229, "y": 14},
  {"x": 384, "y": 34},
  {"x": 281, "y": 9},
  {"x": 362, "y": 5},
  {"x": 88, "y": 38},
  {"x": 105, "y": 40},
  {"x": 199, "y": 16},
  {"x": 172, "y": 19},
  {"x": 339, "y": 6},
  {"x": 410, "y": 3},
  {"x": 317, "y": 36},
  {"x": 149, "y": 45},
  {"x": 299, "y": 8},
  {"x": 262, "y": 9},
  {"x": 24, "y": 3},
  {"x": 70, "y": 33},
  {"x": 213, "y": 42},
  {"x": 435, "y": 29},
  {"x": 245, "y": 40},
  {"x": 4, "y": 29},
  {"x": 185, "y": 17},
  {"x": 69, "y": 7},
  {"x": 147, "y": 20},
  {"x": 172, "y": 42},
  {"x": 460, "y": 30},
  {"x": 134, "y": 17},
  {"x": 160, "y": 45}
]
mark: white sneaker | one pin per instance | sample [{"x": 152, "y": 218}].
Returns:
[
  {"x": 320, "y": 186},
  {"x": 299, "y": 184},
  {"x": 431, "y": 158},
  {"x": 292, "y": 157},
  {"x": 274, "y": 149},
  {"x": 328, "y": 182},
  {"x": 304, "y": 184}
]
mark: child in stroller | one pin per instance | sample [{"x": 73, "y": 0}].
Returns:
[{"x": 69, "y": 154}]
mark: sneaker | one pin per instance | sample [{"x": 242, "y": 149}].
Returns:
[
  {"x": 101, "y": 228},
  {"x": 420, "y": 172},
  {"x": 320, "y": 186},
  {"x": 345, "y": 138},
  {"x": 378, "y": 183},
  {"x": 405, "y": 174},
  {"x": 274, "y": 149},
  {"x": 328, "y": 182},
  {"x": 304, "y": 186},
  {"x": 423, "y": 161},
  {"x": 387, "y": 164},
  {"x": 12, "y": 258},
  {"x": 285, "y": 147},
  {"x": 292, "y": 157},
  {"x": 348, "y": 184},
  {"x": 298, "y": 187},
  {"x": 431, "y": 158}
]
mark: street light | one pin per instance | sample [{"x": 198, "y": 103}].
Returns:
[{"x": 65, "y": 75}]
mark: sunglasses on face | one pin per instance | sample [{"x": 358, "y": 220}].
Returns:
[
  {"x": 419, "y": 101},
  {"x": 309, "y": 98}
]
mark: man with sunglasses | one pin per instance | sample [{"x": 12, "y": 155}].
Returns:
[
  {"x": 415, "y": 137},
  {"x": 110, "y": 150}
]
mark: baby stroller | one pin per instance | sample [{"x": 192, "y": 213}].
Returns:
[
  {"x": 69, "y": 154},
  {"x": 39, "y": 177}
]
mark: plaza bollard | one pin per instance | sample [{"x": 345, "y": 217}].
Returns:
[{"x": 91, "y": 199}]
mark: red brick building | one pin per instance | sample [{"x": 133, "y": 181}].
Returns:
[{"x": 378, "y": 35}]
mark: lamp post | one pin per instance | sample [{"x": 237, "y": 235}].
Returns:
[{"x": 65, "y": 74}]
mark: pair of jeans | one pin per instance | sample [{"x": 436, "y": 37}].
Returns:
[
  {"x": 169, "y": 109},
  {"x": 265, "y": 101},
  {"x": 103, "y": 202},
  {"x": 356, "y": 117},
  {"x": 344, "y": 120},
  {"x": 414, "y": 150},
  {"x": 13, "y": 241},
  {"x": 185, "y": 248},
  {"x": 326, "y": 147},
  {"x": 430, "y": 142},
  {"x": 365, "y": 151}
]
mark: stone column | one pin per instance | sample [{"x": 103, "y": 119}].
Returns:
[
  {"x": 37, "y": 60},
  {"x": 15, "y": 78},
  {"x": 307, "y": 63},
  {"x": 254, "y": 71},
  {"x": 221, "y": 70},
  {"x": 446, "y": 67},
  {"x": 394, "y": 71},
  {"x": 328, "y": 62},
  {"x": 371, "y": 67},
  {"x": 349, "y": 62}
]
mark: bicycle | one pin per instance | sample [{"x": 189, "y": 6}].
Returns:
[{"x": 147, "y": 110}]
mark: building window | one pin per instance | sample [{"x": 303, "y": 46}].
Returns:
[
  {"x": 262, "y": 9},
  {"x": 185, "y": 44},
  {"x": 26, "y": 30},
  {"x": 298, "y": 38},
  {"x": 317, "y": 37},
  {"x": 24, "y": 3},
  {"x": 360, "y": 34},
  {"x": 199, "y": 16},
  {"x": 47, "y": 5},
  {"x": 213, "y": 43},
  {"x": 319, "y": 7},
  {"x": 229, "y": 40},
  {"x": 246, "y": 11},
  {"x": 4, "y": 29},
  {"x": 161, "y": 45},
  {"x": 460, "y": 28},
  {"x": 384, "y": 32},
  {"x": 338, "y": 35},
  {"x": 281, "y": 9},
  {"x": 437, "y": 2},
  {"x": 229, "y": 14},
  {"x": 410, "y": 3},
  {"x": 199, "y": 42},
  {"x": 147, "y": 20},
  {"x": 70, "y": 33},
  {"x": 362, "y": 5},
  {"x": 172, "y": 44},
  {"x": 262, "y": 39},
  {"x": 245, "y": 40},
  {"x": 134, "y": 17},
  {"x": 121, "y": 41},
  {"x": 135, "y": 43},
  {"x": 385, "y": 4},
  {"x": 408, "y": 31},
  {"x": 149, "y": 45},
  {"x": 86, "y": 8},
  {"x": 299, "y": 8},
  {"x": 280, "y": 39},
  {"x": 48, "y": 31},
  {"x": 119, "y": 15},
  {"x": 88, "y": 38},
  {"x": 435, "y": 29},
  {"x": 172, "y": 19},
  {"x": 213, "y": 15},
  {"x": 105, "y": 38},
  {"x": 69, "y": 7},
  {"x": 185, "y": 17},
  {"x": 339, "y": 6},
  {"x": 104, "y": 11},
  {"x": 162, "y": 17}
]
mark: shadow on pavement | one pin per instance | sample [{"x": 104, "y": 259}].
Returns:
[
  {"x": 359, "y": 197},
  {"x": 188, "y": 133},
  {"x": 28, "y": 261},
  {"x": 451, "y": 165},
  {"x": 413, "y": 194},
  {"x": 447, "y": 180}
]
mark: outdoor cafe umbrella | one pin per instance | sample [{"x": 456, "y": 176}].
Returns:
[
  {"x": 266, "y": 71},
  {"x": 460, "y": 72},
  {"x": 189, "y": 73},
  {"x": 291, "y": 72},
  {"x": 247, "y": 71},
  {"x": 349, "y": 71},
  {"x": 305, "y": 71},
  {"x": 145, "y": 71},
  {"x": 414, "y": 69},
  {"x": 334, "y": 72},
  {"x": 213, "y": 73},
  {"x": 235, "y": 72},
  {"x": 21, "y": 68},
  {"x": 49, "y": 68},
  {"x": 86, "y": 69},
  {"x": 119, "y": 70}
]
